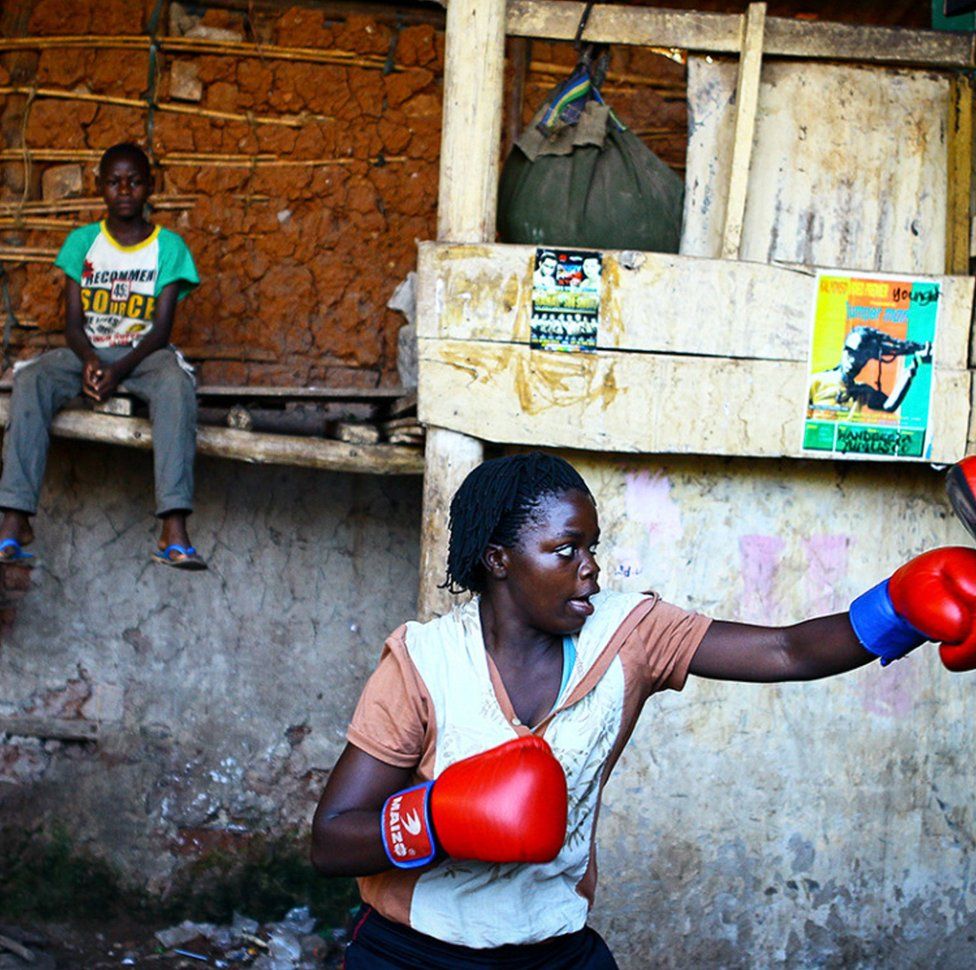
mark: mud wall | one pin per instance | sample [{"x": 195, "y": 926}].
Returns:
[{"x": 299, "y": 183}]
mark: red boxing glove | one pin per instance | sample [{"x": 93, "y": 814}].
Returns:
[
  {"x": 507, "y": 804},
  {"x": 936, "y": 594}
]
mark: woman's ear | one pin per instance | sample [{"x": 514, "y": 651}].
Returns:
[{"x": 495, "y": 561}]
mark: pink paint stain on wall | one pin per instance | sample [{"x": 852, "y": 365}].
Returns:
[
  {"x": 759, "y": 557},
  {"x": 892, "y": 691},
  {"x": 826, "y": 572},
  {"x": 649, "y": 502}
]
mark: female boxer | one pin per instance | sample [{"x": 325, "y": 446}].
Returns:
[{"x": 467, "y": 796}]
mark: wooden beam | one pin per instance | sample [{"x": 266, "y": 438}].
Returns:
[
  {"x": 615, "y": 401},
  {"x": 450, "y": 456},
  {"x": 746, "y": 106},
  {"x": 313, "y": 393},
  {"x": 715, "y": 33},
  {"x": 474, "y": 63},
  {"x": 657, "y": 303},
  {"x": 249, "y": 446},
  {"x": 519, "y": 58},
  {"x": 58, "y": 728},
  {"x": 960, "y": 175}
]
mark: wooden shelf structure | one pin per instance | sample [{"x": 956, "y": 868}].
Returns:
[
  {"x": 660, "y": 375},
  {"x": 253, "y": 447}
]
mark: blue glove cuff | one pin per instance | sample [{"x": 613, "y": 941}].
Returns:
[{"x": 880, "y": 629}]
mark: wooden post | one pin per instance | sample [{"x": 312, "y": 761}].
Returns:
[
  {"x": 450, "y": 456},
  {"x": 520, "y": 48},
  {"x": 474, "y": 62},
  {"x": 746, "y": 103},
  {"x": 960, "y": 176}
]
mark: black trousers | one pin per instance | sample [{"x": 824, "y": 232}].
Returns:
[{"x": 379, "y": 944}]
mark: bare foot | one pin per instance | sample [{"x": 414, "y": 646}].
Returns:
[
  {"x": 175, "y": 548},
  {"x": 15, "y": 533},
  {"x": 174, "y": 531},
  {"x": 16, "y": 525}
]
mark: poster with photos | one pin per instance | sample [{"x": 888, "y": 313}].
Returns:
[{"x": 566, "y": 287}]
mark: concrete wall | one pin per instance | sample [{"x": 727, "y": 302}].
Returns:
[
  {"x": 819, "y": 825},
  {"x": 224, "y": 695}
]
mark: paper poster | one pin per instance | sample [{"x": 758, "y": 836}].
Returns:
[
  {"x": 566, "y": 287},
  {"x": 870, "y": 379}
]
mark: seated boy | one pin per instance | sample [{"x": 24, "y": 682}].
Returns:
[{"x": 124, "y": 279}]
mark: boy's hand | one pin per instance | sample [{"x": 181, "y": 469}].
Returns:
[
  {"x": 90, "y": 375},
  {"x": 105, "y": 380}
]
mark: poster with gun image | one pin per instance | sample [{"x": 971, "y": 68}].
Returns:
[{"x": 870, "y": 384}]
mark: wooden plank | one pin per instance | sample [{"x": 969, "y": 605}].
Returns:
[
  {"x": 249, "y": 446},
  {"x": 474, "y": 64},
  {"x": 616, "y": 24},
  {"x": 666, "y": 304},
  {"x": 971, "y": 436},
  {"x": 17, "y": 948},
  {"x": 59, "y": 728},
  {"x": 449, "y": 458},
  {"x": 715, "y": 33},
  {"x": 313, "y": 393},
  {"x": 642, "y": 403},
  {"x": 825, "y": 189},
  {"x": 116, "y": 404},
  {"x": 403, "y": 404},
  {"x": 746, "y": 105},
  {"x": 788, "y": 37},
  {"x": 960, "y": 174},
  {"x": 239, "y": 391},
  {"x": 518, "y": 58}
]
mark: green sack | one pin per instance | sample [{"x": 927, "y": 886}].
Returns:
[{"x": 577, "y": 177}]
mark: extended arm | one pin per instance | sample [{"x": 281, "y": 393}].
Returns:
[
  {"x": 932, "y": 597},
  {"x": 805, "y": 651},
  {"x": 878, "y": 400},
  {"x": 111, "y": 375}
]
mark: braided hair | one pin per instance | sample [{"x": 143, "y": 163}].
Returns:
[{"x": 494, "y": 503}]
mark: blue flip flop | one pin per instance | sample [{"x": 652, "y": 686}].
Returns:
[
  {"x": 186, "y": 557},
  {"x": 12, "y": 554}
]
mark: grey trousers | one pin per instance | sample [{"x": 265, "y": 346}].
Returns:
[{"x": 45, "y": 385}]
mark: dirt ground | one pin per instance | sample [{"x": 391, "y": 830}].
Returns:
[{"x": 128, "y": 943}]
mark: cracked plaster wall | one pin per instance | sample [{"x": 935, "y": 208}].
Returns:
[
  {"x": 223, "y": 695},
  {"x": 828, "y": 824}
]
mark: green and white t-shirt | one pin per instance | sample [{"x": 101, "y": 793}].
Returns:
[{"x": 119, "y": 284}]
